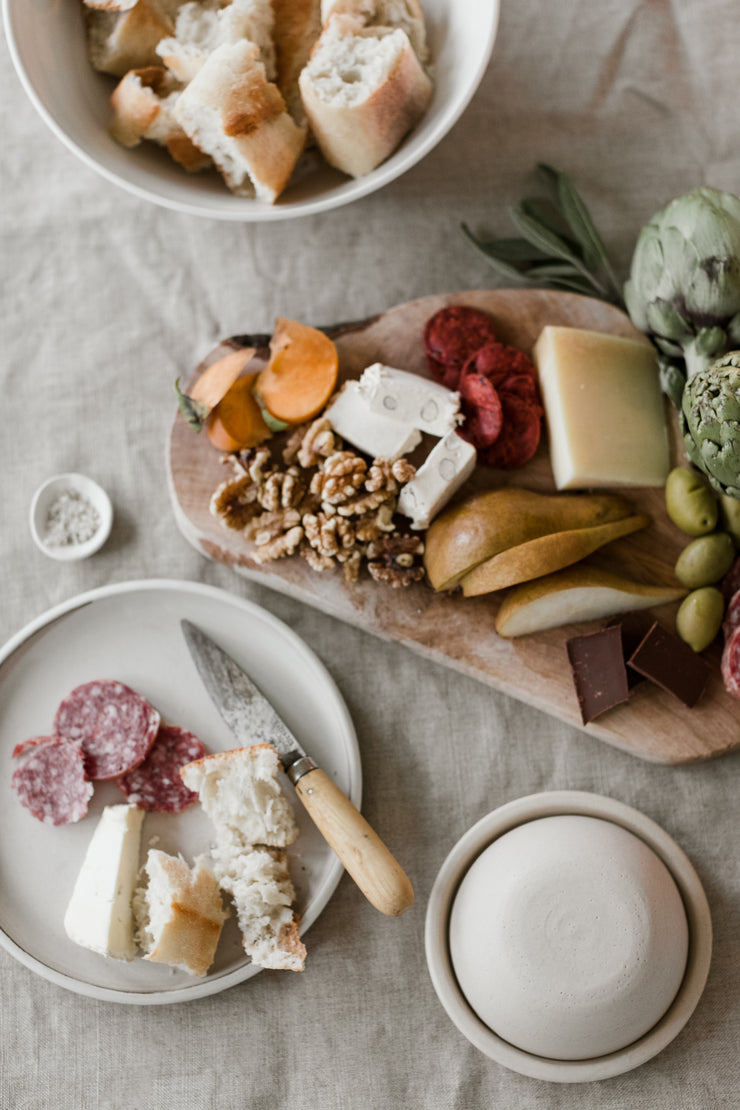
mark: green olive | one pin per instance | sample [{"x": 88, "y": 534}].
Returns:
[
  {"x": 705, "y": 560},
  {"x": 690, "y": 502},
  {"x": 729, "y": 509},
  {"x": 699, "y": 617}
]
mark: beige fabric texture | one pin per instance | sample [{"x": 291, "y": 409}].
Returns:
[{"x": 106, "y": 299}]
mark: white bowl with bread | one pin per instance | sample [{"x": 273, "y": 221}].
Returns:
[{"x": 251, "y": 110}]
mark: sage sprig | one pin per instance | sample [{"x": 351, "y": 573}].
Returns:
[{"x": 559, "y": 246}]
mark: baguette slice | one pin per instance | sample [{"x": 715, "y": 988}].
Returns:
[
  {"x": 201, "y": 27},
  {"x": 408, "y": 15},
  {"x": 297, "y": 28},
  {"x": 179, "y": 913},
  {"x": 118, "y": 41},
  {"x": 363, "y": 90},
  {"x": 233, "y": 113},
  {"x": 143, "y": 103}
]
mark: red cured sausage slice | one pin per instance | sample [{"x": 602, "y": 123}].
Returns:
[
  {"x": 481, "y": 407},
  {"x": 520, "y": 435},
  {"x": 51, "y": 781},
  {"x": 732, "y": 615},
  {"x": 451, "y": 336},
  {"x": 115, "y": 725},
  {"x": 731, "y": 664},
  {"x": 156, "y": 783}
]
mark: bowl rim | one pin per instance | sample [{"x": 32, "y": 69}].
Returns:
[
  {"x": 458, "y": 861},
  {"x": 88, "y": 486},
  {"x": 244, "y": 210}
]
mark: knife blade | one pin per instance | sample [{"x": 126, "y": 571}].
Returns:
[{"x": 253, "y": 720}]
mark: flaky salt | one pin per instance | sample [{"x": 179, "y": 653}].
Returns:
[{"x": 71, "y": 519}]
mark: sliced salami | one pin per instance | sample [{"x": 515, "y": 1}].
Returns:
[
  {"x": 51, "y": 782},
  {"x": 156, "y": 783},
  {"x": 732, "y": 615},
  {"x": 520, "y": 435},
  {"x": 451, "y": 336},
  {"x": 115, "y": 725},
  {"x": 28, "y": 745},
  {"x": 481, "y": 407},
  {"x": 731, "y": 664}
]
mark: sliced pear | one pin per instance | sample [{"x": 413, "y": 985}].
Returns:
[
  {"x": 545, "y": 555},
  {"x": 486, "y": 524},
  {"x": 576, "y": 594}
]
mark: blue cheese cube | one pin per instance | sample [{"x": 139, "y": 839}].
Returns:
[
  {"x": 368, "y": 431},
  {"x": 413, "y": 400},
  {"x": 448, "y": 465}
]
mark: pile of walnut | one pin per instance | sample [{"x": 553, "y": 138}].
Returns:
[{"x": 324, "y": 503}]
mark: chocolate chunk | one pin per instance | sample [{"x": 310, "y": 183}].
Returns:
[
  {"x": 671, "y": 664},
  {"x": 599, "y": 671},
  {"x": 634, "y": 627}
]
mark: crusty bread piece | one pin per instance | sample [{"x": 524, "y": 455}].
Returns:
[
  {"x": 118, "y": 41},
  {"x": 297, "y": 27},
  {"x": 241, "y": 793},
  {"x": 111, "y": 5},
  {"x": 363, "y": 89},
  {"x": 259, "y": 883},
  {"x": 202, "y": 25},
  {"x": 142, "y": 104},
  {"x": 408, "y": 15},
  {"x": 232, "y": 112},
  {"x": 179, "y": 912}
]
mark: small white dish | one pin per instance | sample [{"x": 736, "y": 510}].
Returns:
[
  {"x": 47, "y": 44},
  {"x": 633, "y": 911},
  {"x": 45, "y": 497}
]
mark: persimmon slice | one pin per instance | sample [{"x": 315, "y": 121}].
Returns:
[
  {"x": 302, "y": 372},
  {"x": 213, "y": 384},
  {"x": 236, "y": 421}
]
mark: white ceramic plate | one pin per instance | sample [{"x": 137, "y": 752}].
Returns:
[
  {"x": 131, "y": 631},
  {"x": 457, "y": 863},
  {"x": 47, "y": 44}
]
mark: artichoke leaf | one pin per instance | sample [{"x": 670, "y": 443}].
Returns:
[
  {"x": 664, "y": 319},
  {"x": 672, "y": 380}
]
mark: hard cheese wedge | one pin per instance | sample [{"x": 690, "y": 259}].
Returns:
[
  {"x": 604, "y": 409},
  {"x": 99, "y": 915}
]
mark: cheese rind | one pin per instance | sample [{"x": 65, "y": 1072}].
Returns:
[
  {"x": 604, "y": 409},
  {"x": 99, "y": 915},
  {"x": 446, "y": 467},
  {"x": 376, "y": 435},
  {"x": 400, "y": 395}
]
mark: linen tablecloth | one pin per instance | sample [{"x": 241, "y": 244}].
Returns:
[{"x": 106, "y": 299}]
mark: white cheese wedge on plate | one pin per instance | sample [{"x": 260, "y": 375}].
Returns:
[
  {"x": 604, "y": 409},
  {"x": 99, "y": 915},
  {"x": 375, "y": 434},
  {"x": 423, "y": 404},
  {"x": 446, "y": 467}
]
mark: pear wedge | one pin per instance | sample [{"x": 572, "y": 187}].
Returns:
[
  {"x": 545, "y": 555},
  {"x": 579, "y": 593},
  {"x": 489, "y": 523}
]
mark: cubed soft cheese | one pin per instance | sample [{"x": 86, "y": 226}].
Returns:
[
  {"x": 604, "y": 409},
  {"x": 368, "y": 431},
  {"x": 446, "y": 467},
  {"x": 423, "y": 404},
  {"x": 99, "y": 915}
]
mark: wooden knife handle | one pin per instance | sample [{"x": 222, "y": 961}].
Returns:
[{"x": 377, "y": 873}]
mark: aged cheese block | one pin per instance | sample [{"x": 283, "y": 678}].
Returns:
[
  {"x": 99, "y": 915},
  {"x": 604, "y": 409}
]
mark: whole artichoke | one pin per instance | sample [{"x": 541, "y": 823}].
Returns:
[
  {"x": 684, "y": 284},
  {"x": 710, "y": 422}
]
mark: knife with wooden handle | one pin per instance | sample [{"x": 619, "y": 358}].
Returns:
[{"x": 253, "y": 720}]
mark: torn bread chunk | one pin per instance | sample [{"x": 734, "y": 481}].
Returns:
[
  {"x": 202, "y": 26},
  {"x": 297, "y": 28},
  {"x": 143, "y": 103},
  {"x": 111, "y": 5},
  {"x": 363, "y": 90},
  {"x": 233, "y": 113},
  {"x": 179, "y": 912},
  {"x": 241, "y": 793},
  {"x": 261, "y": 889},
  {"x": 118, "y": 41},
  {"x": 407, "y": 15}
]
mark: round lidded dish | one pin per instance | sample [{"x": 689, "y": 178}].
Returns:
[
  {"x": 568, "y": 937},
  {"x": 71, "y": 517},
  {"x": 47, "y": 44}
]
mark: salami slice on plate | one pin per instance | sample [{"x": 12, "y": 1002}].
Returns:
[
  {"x": 51, "y": 782},
  {"x": 731, "y": 664},
  {"x": 115, "y": 725},
  {"x": 156, "y": 783}
]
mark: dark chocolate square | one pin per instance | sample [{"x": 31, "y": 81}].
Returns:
[
  {"x": 666, "y": 660},
  {"x": 634, "y": 627},
  {"x": 599, "y": 671}
]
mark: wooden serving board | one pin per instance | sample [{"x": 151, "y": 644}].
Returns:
[{"x": 448, "y": 628}]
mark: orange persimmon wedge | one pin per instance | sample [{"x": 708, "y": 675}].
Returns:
[
  {"x": 212, "y": 386},
  {"x": 236, "y": 422},
  {"x": 301, "y": 375}
]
